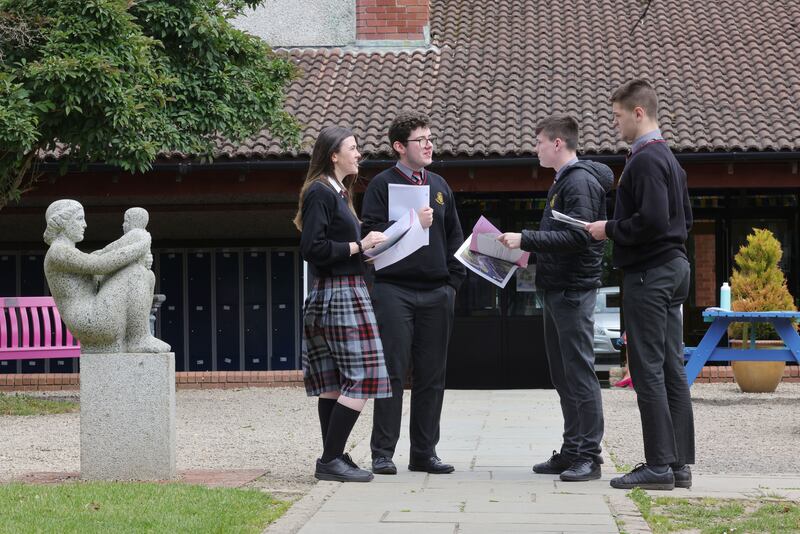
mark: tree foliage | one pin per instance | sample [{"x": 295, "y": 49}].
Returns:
[
  {"x": 758, "y": 284},
  {"x": 120, "y": 81}
]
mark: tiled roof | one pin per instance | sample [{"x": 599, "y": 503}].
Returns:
[{"x": 727, "y": 74}]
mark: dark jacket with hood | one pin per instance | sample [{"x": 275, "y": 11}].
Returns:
[{"x": 567, "y": 257}]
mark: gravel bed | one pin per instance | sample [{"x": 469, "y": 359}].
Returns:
[
  {"x": 275, "y": 429},
  {"x": 735, "y": 432}
]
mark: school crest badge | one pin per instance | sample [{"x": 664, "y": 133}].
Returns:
[{"x": 440, "y": 198}]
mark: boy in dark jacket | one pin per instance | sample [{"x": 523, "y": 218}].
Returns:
[{"x": 568, "y": 268}]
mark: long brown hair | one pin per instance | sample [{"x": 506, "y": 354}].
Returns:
[{"x": 329, "y": 141}]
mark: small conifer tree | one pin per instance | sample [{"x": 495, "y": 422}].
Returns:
[{"x": 758, "y": 284}]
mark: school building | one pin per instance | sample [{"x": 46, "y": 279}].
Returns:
[{"x": 226, "y": 252}]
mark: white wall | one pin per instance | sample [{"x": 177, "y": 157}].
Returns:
[{"x": 296, "y": 23}]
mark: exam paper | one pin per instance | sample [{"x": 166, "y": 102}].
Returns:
[
  {"x": 413, "y": 237},
  {"x": 483, "y": 226},
  {"x": 557, "y": 215},
  {"x": 489, "y": 245},
  {"x": 404, "y": 197},
  {"x": 495, "y": 270}
]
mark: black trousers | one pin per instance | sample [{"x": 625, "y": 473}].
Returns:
[
  {"x": 415, "y": 328},
  {"x": 652, "y": 304},
  {"x": 569, "y": 343}
]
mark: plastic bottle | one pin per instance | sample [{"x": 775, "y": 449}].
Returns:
[{"x": 725, "y": 296}]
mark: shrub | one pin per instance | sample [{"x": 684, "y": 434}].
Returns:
[{"x": 758, "y": 284}]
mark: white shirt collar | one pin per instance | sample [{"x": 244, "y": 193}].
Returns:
[{"x": 335, "y": 183}]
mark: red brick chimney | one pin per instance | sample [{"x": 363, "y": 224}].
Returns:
[{"x": 392, "y": 20}]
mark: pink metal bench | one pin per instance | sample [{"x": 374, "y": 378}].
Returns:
[{"x": 31, "y": 327}]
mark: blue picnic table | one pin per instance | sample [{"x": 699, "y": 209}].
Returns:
[{"x": 708, "y": 351}]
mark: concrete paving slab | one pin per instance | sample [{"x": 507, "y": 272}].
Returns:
[
  {"x": 589, "y": 520},
  {"x": 383, "y": 528},
  {"x": 538, "y": 529},
  {"x": 493, "y": 438}
]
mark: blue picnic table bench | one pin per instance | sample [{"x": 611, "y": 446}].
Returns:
[{"x": 709, "y": 351}]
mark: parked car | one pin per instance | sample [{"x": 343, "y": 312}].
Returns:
[{"x": 607, "y": 339}]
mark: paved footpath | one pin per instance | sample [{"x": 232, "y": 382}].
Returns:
[{"x": 492, "y": 438}]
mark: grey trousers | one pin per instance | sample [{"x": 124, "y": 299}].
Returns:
[
  {"x": 652, "y": 304},
  {"x": 569, "y": 343},
  {"x": 415, "y": 328}
]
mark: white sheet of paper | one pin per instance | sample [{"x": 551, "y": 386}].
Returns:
[
  {"x": 393, "y": 234},
  {"x": 557, "y": 215},
  {"x": 405, "y": 197},
  {"x": 489, "y": 245},
  {"x": 415, "y": 238}
]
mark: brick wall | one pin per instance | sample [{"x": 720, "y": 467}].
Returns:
[
  {"x": 705, "y": 280},
  {"x": 249, "y": 379},
  {"x": 188, "y": 380},
  {"x": 397, "y": 20}
]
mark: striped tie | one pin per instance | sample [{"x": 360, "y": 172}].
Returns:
[{"x": 417, "y": 177}]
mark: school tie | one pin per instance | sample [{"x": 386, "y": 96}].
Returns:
[{"x": 416, "y": 176}]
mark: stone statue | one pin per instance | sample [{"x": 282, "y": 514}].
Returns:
[{"x": 104, "y": 297}]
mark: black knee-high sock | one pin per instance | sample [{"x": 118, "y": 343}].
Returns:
[
  {"x": 342, "y": 421},
  {"x": 324, "y": 408}
]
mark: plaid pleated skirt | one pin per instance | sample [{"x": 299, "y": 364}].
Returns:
[{"x": 342, "y": 348}]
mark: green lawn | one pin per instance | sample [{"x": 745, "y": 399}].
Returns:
[
  {"x": 718, "y": 516},
  {"x": 110, "y": 507},
  {"x": 16, "y": 404}
]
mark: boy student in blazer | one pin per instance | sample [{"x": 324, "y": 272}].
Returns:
[
  {"x": 414, "y": 301},
  {"x": 652, "y": 219},
  {"x": 568, "y": 269},
  {"x": 343, "y": 360}
]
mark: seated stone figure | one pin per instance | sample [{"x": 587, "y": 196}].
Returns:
[{"x": 104, "y": 297}]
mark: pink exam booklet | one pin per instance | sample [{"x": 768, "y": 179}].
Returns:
[{"x": 496, "y": 249}]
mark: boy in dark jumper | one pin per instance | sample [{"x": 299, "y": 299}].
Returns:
[
  {"x": 414, "y": 301},
  {"x": 652, "y": 219}
]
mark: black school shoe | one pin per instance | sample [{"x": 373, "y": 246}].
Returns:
[
  {"x": 683, "y": 477},
  {"x": 433, "y": 465},
  {"x": 644, "y": 477},
  {"x": 581, "y": 471},
  {"x": 383, "y": 466},
  {"x": 342, "y": 469},
  {"x": 557, "y": 464}
]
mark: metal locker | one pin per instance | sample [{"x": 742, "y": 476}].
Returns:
[
  {"x": 256, "y": 316},
  {"x": 282, "y": 300},
  {"x": 8, "y": 288},
  {"x": 33, "y": 284},
  {"x": 256, "y": 349},
  {"x": 8, "y": 275},
  {"x": 199, "y": 297},
  {"x": 227, "y": 305},
  {"x": 170, "y": 279}
]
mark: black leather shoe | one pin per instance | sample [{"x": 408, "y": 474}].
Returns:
[
  {"x": 557, "y": 464},
  {"x": 580, "y": 471},
  {"x": 383, "y": 466},
  {"x": 683, "y": 476},
  {"x": 644, "y": 477},
  {"x": 433, "y": 465},
  {"x": 342, "y": 469}
]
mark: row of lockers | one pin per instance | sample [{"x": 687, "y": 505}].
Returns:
[{"x": 230, "y": 309}]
